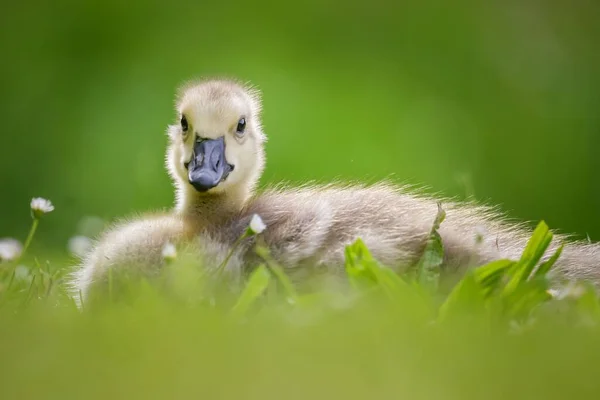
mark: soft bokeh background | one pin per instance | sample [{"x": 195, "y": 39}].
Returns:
[{"x": 495, "y": 99}]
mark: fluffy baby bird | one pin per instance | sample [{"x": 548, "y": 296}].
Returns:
[{"x": 215, "y": 158}]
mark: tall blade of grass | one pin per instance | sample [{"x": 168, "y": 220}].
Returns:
[
  {"x": 537, "y": 246},
  {"x": 429, "y": 266},
  {"x": 492, "y": 271},
  {"x": 12, "y": 279},
  {"x": 489, "y": 276},
  {"x": 30, "y": 290},
  {"x": 256, "y": 286},
  {"x": 535, "y": 249},
  {"x": 277, "y": 270},
  {"x": 232, "y": 250},
  {"x": 545, "y": 267}
]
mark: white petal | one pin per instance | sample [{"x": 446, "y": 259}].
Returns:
[
  {"x": 169, "y": 251},
  {"x": 41, "y": 205},
  {"x": 256, "y": 224}
]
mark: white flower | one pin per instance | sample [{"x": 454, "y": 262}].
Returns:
[
  {"x": 40, "y": 206},
  {"x": 79, "y": 245},
  {"x": 10, "y": 249},
  {"x": 169, "y": 252},
  {"x": 257, "y": 225}
]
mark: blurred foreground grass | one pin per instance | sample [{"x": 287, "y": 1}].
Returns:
[{"x": 499, "y": 333}]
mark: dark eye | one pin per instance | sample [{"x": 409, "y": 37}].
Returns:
[
  {"x": 241, "y": 126},
  {"x": 184, "y": 123}
]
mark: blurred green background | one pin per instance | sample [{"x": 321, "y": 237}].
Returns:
[{"x": 499, "y": 99}]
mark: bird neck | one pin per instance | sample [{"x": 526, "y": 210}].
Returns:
[{"x": 211, "y": 207}]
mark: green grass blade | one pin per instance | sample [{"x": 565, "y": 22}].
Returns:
[
  {"x": 545, "y": 267},
  {"x": 535, "y": 249},
  {"x": 256, "y": 286},
  {"x": 278, "y": 271},
  {"x": 429, "y": 266},
  {"x": 490, "y": 274}
]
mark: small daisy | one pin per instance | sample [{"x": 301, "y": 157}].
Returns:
[
  {"x": 257, "y": 225},
  {"x": 79, "y": 246},
  {"x": 169, "y": 252},
  {"x": 10, "y": 249},
  {"x": 40, "y": 206}
]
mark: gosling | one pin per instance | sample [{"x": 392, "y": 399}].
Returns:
[{"x": 215, "y": 158}]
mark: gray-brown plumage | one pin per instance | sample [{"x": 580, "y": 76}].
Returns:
[{"x": 215, "y": 158}]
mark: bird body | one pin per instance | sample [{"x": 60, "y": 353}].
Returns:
[{"x": 215, "y": 158}]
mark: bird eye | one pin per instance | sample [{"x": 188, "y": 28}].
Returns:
[
  {"x": 241, "y": 126},
  {"x": 184, "y": 124}
]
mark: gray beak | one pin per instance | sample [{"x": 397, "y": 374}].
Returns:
[{"x": 208, "y": 166}]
